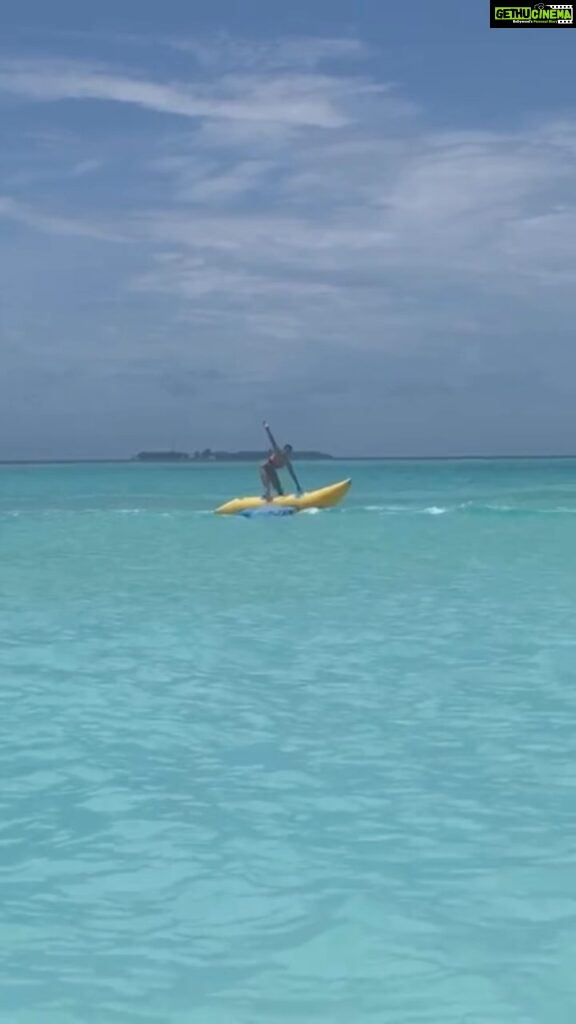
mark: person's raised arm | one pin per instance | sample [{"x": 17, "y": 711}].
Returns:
[{"x": 271, "y": 437}]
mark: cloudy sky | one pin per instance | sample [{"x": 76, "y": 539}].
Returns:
[{"x": 356, "y": 219}]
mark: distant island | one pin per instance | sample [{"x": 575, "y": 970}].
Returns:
[{"x": 207, "y": 455}]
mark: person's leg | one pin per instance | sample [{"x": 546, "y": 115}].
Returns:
[
  {"x": 275, "y": 481},
  {"x": 266, "y": 483}
]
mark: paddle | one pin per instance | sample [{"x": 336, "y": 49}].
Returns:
[{"x": 277, "y": 448}]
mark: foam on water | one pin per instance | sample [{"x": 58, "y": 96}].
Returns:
[{"x": 320, "y": 772}]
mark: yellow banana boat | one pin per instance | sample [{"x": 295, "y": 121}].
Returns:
[{"x": 325, "y": 497}]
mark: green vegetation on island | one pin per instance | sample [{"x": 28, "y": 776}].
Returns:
[{"x": 207, "y": 455}]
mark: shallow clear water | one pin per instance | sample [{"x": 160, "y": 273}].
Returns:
[{"x": 317, "y": 769}]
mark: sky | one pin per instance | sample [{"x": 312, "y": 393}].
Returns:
[{"x": 355, "y": 220}]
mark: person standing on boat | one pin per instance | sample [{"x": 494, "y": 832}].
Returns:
[{"x": 278, "y": 458}]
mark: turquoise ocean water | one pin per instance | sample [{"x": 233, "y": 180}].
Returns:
[{"x": 318, "y": 769}]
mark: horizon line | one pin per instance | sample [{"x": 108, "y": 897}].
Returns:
[{"x": 329, "y": 458}]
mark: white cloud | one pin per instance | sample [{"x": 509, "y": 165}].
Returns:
[
  {"x": 374, "y": 208},
  {"x": 223, "y": 50},
  {"x": 41, "y": 171},
  {"x": 313, "y": 218},
  {"x": 51, "y": 224},
  {"x": 83, "y": 167},
  {"x": 208, "y": 182},
  {"x": 306, "y": 100},
  {"x": 300, "y": 52}
]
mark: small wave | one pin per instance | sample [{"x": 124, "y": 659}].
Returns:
[
  {"x": 75, "y": 513},
  {"x": 492, "y": 508},
  {"x": 403, "y": 510},
  {"x": 560, "y": 509},
  {"x": 391, "y": 510},
  {"x": 470, "y": 508}
]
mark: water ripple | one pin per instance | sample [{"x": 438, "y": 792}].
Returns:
[{"x": 322, "y": 774}]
